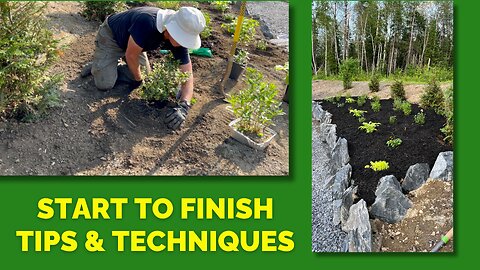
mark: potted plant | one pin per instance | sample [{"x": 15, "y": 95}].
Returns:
[
  {"x": 284, "y": 68},
  {"x": 255, "y": 107},
  {"x": 240, "y": 60}
]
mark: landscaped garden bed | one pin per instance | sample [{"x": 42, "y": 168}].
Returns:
[{"x": 420, "y": 143}]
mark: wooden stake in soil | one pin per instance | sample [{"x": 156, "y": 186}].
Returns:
[{"x": 233, "y": 48}]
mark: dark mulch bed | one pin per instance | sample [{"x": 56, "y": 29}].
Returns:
[{"x": 421, "y": 144}]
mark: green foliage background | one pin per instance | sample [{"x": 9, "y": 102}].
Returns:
[{"x": 292, "y": 194}]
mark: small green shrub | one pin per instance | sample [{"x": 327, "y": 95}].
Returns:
[
  {"x": 361, "y": 100},
  {"x": 349, "y": 100},
  {"x": 375, "y": 99},
  {"x": 392, "y": 120},
  {"x": 163, "y": 82},
  {"x": 257, "y": 105},
  {"x": 369, "y": 127},
  {"x": 374, "y": 84},
  {"x": 228, "y": 17},
  {"x": 397, "y": 90},
  {"x": 338, "y": 98},
  {"x": 207, "y": 31},
  {"x": 432, "y": 97},
  {"x": 378, "y": 165},
  {"x": 241, "y": 57},
  {"x": 419, "y": 118},
  {"x": 361, "y": 119},
  {"x": 261, "y": 45},
  {"x": 348, "y": 70},
  {"x": 394, "y": 143},
  {"x": 221, "y": 5},
  {"x": 99, "y": 10},
  {"x": 27, "y": 50},
  {"x": 397, "y": 104},
  {"x": 376, "y": 106},
  {"x": 448, "y": 128},
  {"x": 406, "y": 108},
  {"x": 167, "y": 4},
  {"x": 247, "y": 32},
  {"x": 285, "y": 68}
]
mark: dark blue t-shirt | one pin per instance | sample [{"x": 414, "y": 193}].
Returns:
[{"x": 140, "y": 23}]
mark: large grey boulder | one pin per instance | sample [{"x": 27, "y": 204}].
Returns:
[
  {"x": 443, "y": 168},
  {"x": 341, "y": 181},
  {"x": 391, "y": 204},
  {"x": 386, "y": 182},
  {"x": 340, "y": 155},
  {"x": 416, "y": 176},
  {"x": 359, "y": 238},
  {"x": 320, "y": 114},
  {"x": 328, "y": 134}
]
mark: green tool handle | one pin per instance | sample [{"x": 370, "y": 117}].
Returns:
[{"x": 444, "y": 240}]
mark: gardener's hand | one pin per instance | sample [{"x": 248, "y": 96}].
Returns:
[
  {"x": 177, "y": 115},
  {"x": 136, "y": 84}
]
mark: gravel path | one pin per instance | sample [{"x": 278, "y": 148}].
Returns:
[
  {"x": 325, "y": 236},
  {"x": 273, "y": 17}
]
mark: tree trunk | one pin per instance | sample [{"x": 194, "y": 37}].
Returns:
[
  {"x": 411, "y": 41},
  {"x": 335, "y": 32},
  {"x": 345, "y": 32},
  {"x": 326, "y": 53},
  {"x": 425, "y": 42}
]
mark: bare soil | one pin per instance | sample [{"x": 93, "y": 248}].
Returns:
[
  {"x": 430, "y": 217},
  {"x": 117, "y": 133}
]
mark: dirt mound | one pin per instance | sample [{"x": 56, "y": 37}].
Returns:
[
  {"x": 116, "y": 133},
  {"x": 430, "y": 217}
]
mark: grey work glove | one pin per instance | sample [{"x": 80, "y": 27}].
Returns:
[{"x": 177, "y": 115}]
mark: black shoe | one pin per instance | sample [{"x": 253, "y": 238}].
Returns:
[{"x": 86, "y": 70}]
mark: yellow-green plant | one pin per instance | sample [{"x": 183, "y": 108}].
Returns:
[
  {"x": 369, "y": 127},
  {"x": 256, "y": 105},
  {"x": 377, "y": 166},
  {"x": 163, "y": 82},
  {"x": 357, "y": 113},
  {"x": 349, "y": 100}
]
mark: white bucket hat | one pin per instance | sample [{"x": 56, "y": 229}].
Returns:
[{"x": 185, "y": 27}]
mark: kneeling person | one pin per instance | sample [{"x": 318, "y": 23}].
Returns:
[{"x": 131, "y": 33}]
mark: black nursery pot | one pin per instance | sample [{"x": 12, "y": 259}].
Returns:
[{"x": 237, "y": 71}]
